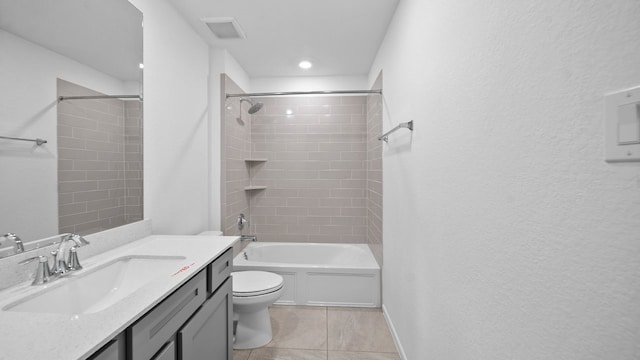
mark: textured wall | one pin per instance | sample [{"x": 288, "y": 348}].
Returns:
[
  {"x": 506, "y": 234},
  {"x": 316, "y": 169}
]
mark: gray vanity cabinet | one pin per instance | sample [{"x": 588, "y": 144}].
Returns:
[
  {"x": 149, "y": 334},
  {"x": 114, "y": 350},
  {"x": 168, "y": 352},
  {"x": 193, "y": 323},
  {"x": 208, "y": 334}
]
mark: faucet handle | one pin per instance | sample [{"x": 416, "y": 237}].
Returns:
[
  {"x": 28, "y": 260},
  {"x": 43, "y": 273},
  {"x": 74, "y": 263}
]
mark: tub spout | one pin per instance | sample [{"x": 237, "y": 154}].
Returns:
[{"x": 248, "y": 238}]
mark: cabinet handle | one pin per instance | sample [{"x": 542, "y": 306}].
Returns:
[{"x": 224, "y": 266}]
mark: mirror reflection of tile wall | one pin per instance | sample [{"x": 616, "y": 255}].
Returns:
[{"x": 99, "y": 161}]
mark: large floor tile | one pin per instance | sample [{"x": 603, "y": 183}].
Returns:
[
  {"x": 241, "y": 354},
  {"x": 298, "y": 328},
  {"x": 353, "y": 329},
  {"x": 287, "y": 354},
  {"x": 352, "y": 355}
]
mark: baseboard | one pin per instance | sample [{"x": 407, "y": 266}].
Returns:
[{"x": 394, "y": 334}]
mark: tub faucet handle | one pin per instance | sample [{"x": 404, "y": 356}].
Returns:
[{"x": 241, "y": 221}]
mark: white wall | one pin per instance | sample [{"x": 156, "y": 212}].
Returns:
[
  {"x": 176, "y": 166},
  {"x": 506, "y": 235},
  {"x": 28, "y": 91}
]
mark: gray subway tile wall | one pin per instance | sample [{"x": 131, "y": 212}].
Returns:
[
  {"x": 235, "y": 148},
  {"x": 315, "y": 174},
  {"x": 323, "y": 168},
  {"x": 374, "y": 172},
  {"x": 134, "y": 175}
]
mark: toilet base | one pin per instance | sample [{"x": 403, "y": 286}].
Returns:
[{"x": 253, "y": 329}]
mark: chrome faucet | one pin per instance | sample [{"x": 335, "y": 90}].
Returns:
[
  {"x": 60, "y": 265},
  {"x": 44, "y": 273},
  {"x": 17, "y": 242},
  {"x": 248, "y": 238}
]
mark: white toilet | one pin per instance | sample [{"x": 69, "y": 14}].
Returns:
[{"x": 253, "y": 292}]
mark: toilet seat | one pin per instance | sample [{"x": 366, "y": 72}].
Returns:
[{"x": 255, "y": 283}]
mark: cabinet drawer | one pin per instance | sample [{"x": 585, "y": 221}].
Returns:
[
  {"x": 161, "y": 323},
  {"x": 219, "y": 270}
]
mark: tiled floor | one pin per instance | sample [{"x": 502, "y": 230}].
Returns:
[{"x": 325, "y": 333}]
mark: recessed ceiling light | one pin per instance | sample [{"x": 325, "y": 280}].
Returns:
[
  {"x": 289, "y": 111},
  {"x": 305, "y": 64}
]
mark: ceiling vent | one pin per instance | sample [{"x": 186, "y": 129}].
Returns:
[{"x": 225, "y": 28}]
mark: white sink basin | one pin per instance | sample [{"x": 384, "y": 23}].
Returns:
[{"x": 97, "y": 289}]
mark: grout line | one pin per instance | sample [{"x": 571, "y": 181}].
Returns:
[{"x": 326, "y": 309}]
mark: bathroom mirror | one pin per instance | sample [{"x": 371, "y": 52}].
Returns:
[{"x": 89, "y": 44}]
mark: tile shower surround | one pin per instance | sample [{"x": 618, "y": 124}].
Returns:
[
  {"x": 97, "y": 188},
  {"x": 323, "y": 171},
  {"x": 374, "y": 172},
  {"x": 236, "y": 147},
  {"x": 316, "y": 169}
]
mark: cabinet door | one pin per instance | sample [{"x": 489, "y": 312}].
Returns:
[
  {"x": 168, "y": 352},
  {"x": 114, "y": 350},
  {"x": 207, "y": 335}
]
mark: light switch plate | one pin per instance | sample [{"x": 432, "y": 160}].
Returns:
[{"x": 622, "y": 125}]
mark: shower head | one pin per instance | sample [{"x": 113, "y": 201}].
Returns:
[{"x": 254, "y": 107}]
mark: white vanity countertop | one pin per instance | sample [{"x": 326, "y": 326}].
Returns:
[{"x": 25, "y": 335}]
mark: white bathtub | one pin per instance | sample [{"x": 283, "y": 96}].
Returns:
[{"x": 317, "y": 274}]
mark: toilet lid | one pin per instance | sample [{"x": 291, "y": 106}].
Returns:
[{"x": 253, "y": 283}]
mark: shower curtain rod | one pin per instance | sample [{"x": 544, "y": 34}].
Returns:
[
  {"x": 334, "y": 92},
  {"x": 38, "y": 141},
  {"x": 62, "y": 98}
]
